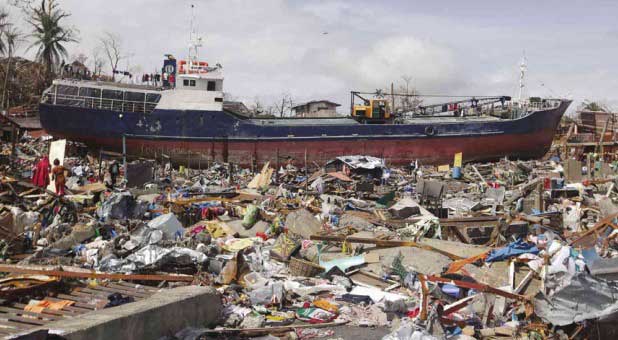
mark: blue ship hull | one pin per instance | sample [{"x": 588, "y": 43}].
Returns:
[{"x": 205, "y": 136}]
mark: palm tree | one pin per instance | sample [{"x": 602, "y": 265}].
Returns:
[
  {"x": 11, "y": 38},
  {"x": 3, "y": 27},
  {"x": 49, "y": 34}
]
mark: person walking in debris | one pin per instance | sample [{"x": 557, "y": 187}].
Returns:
[
  {"x": 58, "y": 177},
  {"x": 386, "y": 174},
  {"x": 114, "y": 170},
  {"x": 40, "y": 176}
]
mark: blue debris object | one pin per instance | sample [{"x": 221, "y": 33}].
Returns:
[
  {"x": 511, "y": 250},
  {"x": 451, "y": 290}
]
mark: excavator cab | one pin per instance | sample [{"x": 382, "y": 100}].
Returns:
[{"x": 372, "y": 111}]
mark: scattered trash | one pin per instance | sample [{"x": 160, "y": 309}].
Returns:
[{"x": 421, "y": 252}]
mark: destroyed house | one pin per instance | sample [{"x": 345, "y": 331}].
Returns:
[{"x": 316, "y": 108}]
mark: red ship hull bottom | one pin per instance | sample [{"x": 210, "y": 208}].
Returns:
[{"x": 436, "y": 150}]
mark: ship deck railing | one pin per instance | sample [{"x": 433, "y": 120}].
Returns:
[
  {"x": 99, "y": 103},
  {"x": 525, "y": 108}
]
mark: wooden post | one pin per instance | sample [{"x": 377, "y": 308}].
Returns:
[
  {"x": 602, "y": 136},
  {"x": 124, "y": 154},
  {"x": 351, "y": 103},
  {"x": 306, "y": 171},
  {"x": 13, "y": 143},
  {"x": 277, "y": 168},
  {"x": 540, "y": 193},
  {"x": 100, "y": 163}
]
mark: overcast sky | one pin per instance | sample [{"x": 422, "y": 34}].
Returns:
[{"x": 324, "y": 49}]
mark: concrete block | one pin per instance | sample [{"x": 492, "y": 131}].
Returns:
[{"x": 164, "y": 313}]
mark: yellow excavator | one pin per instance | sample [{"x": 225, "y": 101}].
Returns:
[{"x": 371, "y": 111}]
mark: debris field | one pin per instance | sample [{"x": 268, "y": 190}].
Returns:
[{"x": 509, "y": 249}]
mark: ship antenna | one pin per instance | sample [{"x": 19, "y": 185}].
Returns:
[{"x": 523, "y": 67}]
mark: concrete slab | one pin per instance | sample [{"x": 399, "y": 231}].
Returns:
[{"x": 165, "y": 313}]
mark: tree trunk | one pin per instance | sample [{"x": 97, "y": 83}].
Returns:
[{"x": 5, "y": 91}]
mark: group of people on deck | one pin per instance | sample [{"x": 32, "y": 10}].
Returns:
[{"x": 41, "y": 178}]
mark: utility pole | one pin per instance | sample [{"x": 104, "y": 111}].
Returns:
[{"x": 393, "y": 97}]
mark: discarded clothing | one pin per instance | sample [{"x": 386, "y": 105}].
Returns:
[
  {"x": 116, "y": 299},
  {"x": 40, "y": 175}
]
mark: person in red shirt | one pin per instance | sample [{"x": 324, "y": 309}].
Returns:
[{"x": 40, "y": 176}]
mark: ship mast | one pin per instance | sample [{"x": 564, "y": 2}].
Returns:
[
  {"x": 523, "y": 67},
  {"x": 195, "y": 41}
]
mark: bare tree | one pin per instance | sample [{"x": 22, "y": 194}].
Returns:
[
  {"x": 283, "y": 107},
  {"x": 112, "y": 46},
  {"x": 407, "y": 99},
  {"x": 97, "y": 61}
]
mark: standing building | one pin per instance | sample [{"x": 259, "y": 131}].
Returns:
[{"x": 316, "y": 108}]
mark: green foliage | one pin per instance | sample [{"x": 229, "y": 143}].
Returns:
[
  {"x": 593, "y": 106},
  {"x": 49, "y": 34}
]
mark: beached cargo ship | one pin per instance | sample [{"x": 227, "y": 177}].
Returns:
[{"x": 188, "y": 121}]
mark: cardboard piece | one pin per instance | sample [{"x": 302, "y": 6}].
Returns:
[
  {"x": 458, "y": 159},
  {"x": 56, "y": 151}
]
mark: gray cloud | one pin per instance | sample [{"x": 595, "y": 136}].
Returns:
[{"x": 324, "y": 49}]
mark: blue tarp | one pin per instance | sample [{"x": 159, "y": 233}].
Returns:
[{"x": 513, "y": 249}]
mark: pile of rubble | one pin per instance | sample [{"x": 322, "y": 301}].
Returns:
[{"x": 504, "y": 249}]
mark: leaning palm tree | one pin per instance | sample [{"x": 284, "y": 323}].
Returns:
[
  {"x": 11, "y": 38},
  {"x": 50, "y": 35},
  {"x": 4, "y": 24}
]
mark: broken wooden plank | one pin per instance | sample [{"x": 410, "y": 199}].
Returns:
[
  {"x": 270, "y": 330},
  {"x": 382, "y": 243},
  {"x": 606, "y": 222},
  {"x": 477, "y": 286},
  {"x": 94, "y": 275}
]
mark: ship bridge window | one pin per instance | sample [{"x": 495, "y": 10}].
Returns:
[
  {"x": 90, "y": 96},
  {"x": 211, "y": 85},
  {"x": 112, "y": 94},
  {"x": 112, "y": 100},
  {"x": 153, "y": 97},
  {"x": 134, "y": 96},
  {"x": 188, "y": 82},
  {"x": 67, "y": 95},
  {"x": 89, "y": 92},
  {"x": 67, "y": 90}
]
